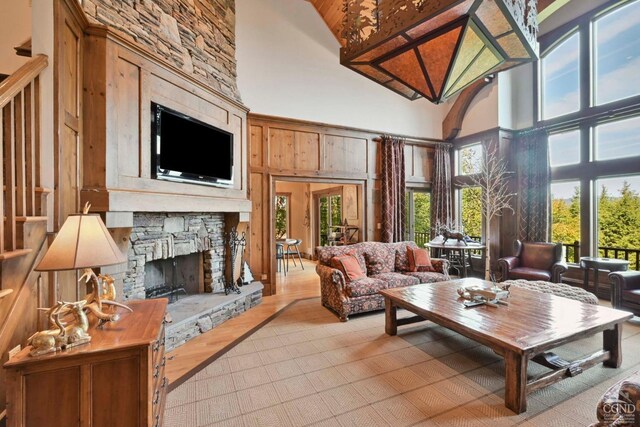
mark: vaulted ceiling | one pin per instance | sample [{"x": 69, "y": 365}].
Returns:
[{"x": 331, "y": 12}]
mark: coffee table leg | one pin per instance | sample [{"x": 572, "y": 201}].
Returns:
[
  {"x": 391, "y": 318},
  {"x": 612, "y": 342},
  {"x": 515, "y": 390}
]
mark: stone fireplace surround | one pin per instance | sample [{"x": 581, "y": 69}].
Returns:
[
  {"x": 167, "y": 235},
  {"x": 156, "y": 236}
]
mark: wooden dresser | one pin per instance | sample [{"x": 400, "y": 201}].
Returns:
[{"x": 115, "y": 380}]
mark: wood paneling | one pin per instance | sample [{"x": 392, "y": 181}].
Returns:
[
  {"x": 296, "y": 150},
  {"x": 344, "y": 154},
  {"x": 256, "y": 147},
  {"x": 128, "y": 117},
  {"x": 293, "y": 150}
]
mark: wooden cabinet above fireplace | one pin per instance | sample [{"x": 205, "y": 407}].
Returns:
[{"x": 121, "y": 80}]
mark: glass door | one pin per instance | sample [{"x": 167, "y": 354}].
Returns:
[
  {"x": 418, "y": 211},
  {"x": 329, "y": 219}
]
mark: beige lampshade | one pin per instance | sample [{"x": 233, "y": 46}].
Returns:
[{"x": 82, "y": 242}]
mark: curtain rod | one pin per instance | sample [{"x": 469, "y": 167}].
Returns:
[{"x": 422, "y": 141}]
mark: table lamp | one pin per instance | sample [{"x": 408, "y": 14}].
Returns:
[{"x": 84, "y": 242}]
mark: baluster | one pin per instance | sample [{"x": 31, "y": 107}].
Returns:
[
  {"x": 36, "y": 134},
  {"x": 2, "y": 143},
  {"x": 9, "y": 178},
  {"x": 19, "y": 154},
  {"x": 29, "y": 128}
]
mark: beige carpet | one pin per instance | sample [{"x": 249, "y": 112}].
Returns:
[{"x": 307, "y": 368}]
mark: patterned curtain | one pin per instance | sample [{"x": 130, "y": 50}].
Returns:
[
  {"x": 534, "y": 177},
  {"x": 441, "y": 212},
  {"x": 393, "y": 190}
]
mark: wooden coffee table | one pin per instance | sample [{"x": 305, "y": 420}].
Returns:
[{"x": 532, "y": 324}]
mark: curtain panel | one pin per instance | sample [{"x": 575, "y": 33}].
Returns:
[
  {"x": 441, "y": 210},
  {"x": 534, "y": 177},
  {"x": 393, "y": 190}
]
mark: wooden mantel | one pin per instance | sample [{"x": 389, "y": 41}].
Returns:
[{"x": 121, "y": 80}]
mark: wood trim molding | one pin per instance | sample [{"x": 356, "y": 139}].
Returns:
[
  {"x": 286, "y": 120},
  {"x": 452, "y": 124}
]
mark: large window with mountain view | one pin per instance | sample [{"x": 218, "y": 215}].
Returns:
[{"x": 594, "y": 123}]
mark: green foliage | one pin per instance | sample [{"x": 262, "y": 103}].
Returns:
[
  {"x": 618, "y": 220},
  {"x": 422, "y": 212},
  {"x": 472, "y": 211},
  {"x": 282, "y": 216}
]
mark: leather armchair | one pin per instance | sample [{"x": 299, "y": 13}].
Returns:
[
  {"x": 534, "y": 261},
  {"x": 625, "y": 290}
]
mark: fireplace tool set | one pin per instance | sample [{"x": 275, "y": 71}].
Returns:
[{"x": 236, "y": 242}]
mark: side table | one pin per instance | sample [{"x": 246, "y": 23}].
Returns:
[{"x": 596, "y": 264}]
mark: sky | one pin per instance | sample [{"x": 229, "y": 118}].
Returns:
[
  {"x": 617, "y": 59},
  {"x": 565, "y": 190}
]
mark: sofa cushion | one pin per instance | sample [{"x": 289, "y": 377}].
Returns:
[
  {"x": 419, "y": 260},
  {"x": 348, "y": 264},
  {"x": 402, "y": 262},
  {"x": 633, "y": 296},
  {"x": 397, "y": 280},
  {"x": 380, "y": 259},
  {"x": 366, "y": 286},
  {"x": 426, "y": 276},
  {"x": 529, "y": 274}
]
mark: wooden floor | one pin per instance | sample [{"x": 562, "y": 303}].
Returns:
[{"x": 195, "y": 354}]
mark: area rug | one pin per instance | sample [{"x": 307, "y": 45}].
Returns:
[{"x": 306, "y": 368}]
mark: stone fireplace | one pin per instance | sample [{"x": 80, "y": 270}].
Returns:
[
  {"x": 184, "y": 250},
  {"x": 158, "y": 237}
]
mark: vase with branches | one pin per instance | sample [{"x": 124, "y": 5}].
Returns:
[{"x": 492, "y": 179}]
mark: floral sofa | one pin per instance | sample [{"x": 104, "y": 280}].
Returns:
[{"x": 386, "y": 266}]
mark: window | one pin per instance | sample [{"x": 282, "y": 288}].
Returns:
[
  {"x": 564, "y": 148},
  {"x": 565, "y": 217},
  {"x": 617, "y": 54},
  {"x": 470, "y": 202},
  {"x": 469, "y": 159},
  {"x": 618, "y": 214},
  {"x": 282, "y": 216},
  {"x": 418, "y": 211},
  {"x": 594, "y": 151},
  {"x": 618, "y": 140},
  {"x": 560, "y": 69}
]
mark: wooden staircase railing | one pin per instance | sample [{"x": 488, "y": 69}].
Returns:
[{"x": 20, "y": 154}]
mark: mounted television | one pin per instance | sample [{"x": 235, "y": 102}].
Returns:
[{"x": 184, "y": 149}]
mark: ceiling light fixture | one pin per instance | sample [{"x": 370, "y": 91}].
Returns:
[{"x": 436, "y": 48}]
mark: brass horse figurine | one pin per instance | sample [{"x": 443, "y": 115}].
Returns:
[{"x": 449, "y": 234}]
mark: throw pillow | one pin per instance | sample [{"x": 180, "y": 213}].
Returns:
[
  {"x": 349, "y": 266},
  {"x": 419, "y": 260},
  {"x": 380, "y": 260},
  {"x": 402, "y": 261}
]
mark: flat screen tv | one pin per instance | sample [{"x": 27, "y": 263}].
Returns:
[{"x": 184, "y": 149}]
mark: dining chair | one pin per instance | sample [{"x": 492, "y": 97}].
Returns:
[
  {"x": 280, "y": 265},
  {"x": 295, "y": 244}
]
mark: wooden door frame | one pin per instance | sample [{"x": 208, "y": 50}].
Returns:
[{"x": 364, "y": 183}]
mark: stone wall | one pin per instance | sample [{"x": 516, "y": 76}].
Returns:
[
  {"x": 166, "y": 235},
  {"x": 197, "y": 36}
]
